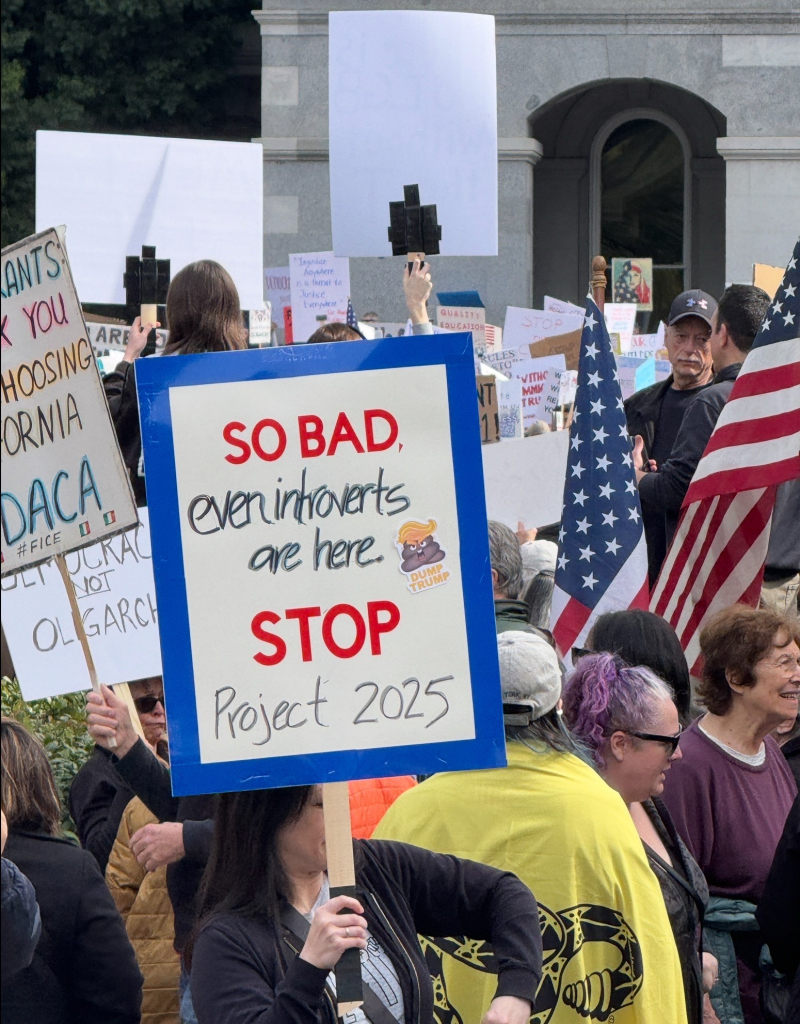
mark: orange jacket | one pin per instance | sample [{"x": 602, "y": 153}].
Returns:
[{"x": 370, "y": 799}]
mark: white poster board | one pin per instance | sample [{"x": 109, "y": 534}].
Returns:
[
  {"x": 114, "y": 586},
  {"x": 320, "y": 284},
  {"x": 524, "y": 479},
  {"x": 279, "y": 291},
  {"x": 64, "y": 482},
  {"x": 412, "y": 100},
  {"x": 535, "y": 377},
  {"x": 525, "y": 326},
  {"x": 192, "y": 199},
  {"x": 553, "y": 305}
]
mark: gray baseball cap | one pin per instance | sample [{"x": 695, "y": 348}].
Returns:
[{"x": 529, "y": 672}]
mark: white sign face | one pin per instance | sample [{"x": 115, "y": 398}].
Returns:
[
  {"x": 192, "y": 199},
  {"x": 620, "y": 319},
  {"x": 279, "y": 291},
  {"x": 391, "y": 74},
  {"x": 524, "y": 479},
  {"x": 107, "y": 338},
  {"x": 525, "y": 326},
  {"x": 64, "y": 483},
  {"x": 348, "y": 555},
  {"x": 536, "y": 376},
  {"x": 113, "y": 583},
  {"x": 552, "y": 305},
  {"x": 465, "y": 318},
  {"x": 320, "y": 290}
]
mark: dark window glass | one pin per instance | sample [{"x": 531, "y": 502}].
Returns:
[{"x": 641, "y": 177}]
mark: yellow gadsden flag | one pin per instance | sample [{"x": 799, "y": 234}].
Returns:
[{"x": 609, "y": 954}]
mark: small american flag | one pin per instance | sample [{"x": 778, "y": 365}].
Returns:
[
  {"x": 352, "y": 320},
  {"x": 717, "y": 555},
  {"x": 602, "y": 559}
]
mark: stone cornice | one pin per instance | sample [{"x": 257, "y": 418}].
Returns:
[
  {"x": 774, "y": 147},
  {"x": 689, "y": 22},
  {"x": 301, "y": 150}
]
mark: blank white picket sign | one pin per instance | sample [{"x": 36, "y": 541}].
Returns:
[{"x": 412, "y": 100}]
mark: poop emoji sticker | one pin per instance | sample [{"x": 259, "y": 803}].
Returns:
[{"x": 422, "y": 559}]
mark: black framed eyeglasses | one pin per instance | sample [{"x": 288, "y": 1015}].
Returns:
[
  {"x": 669, "y": 741},
  {"x": 145, "y": 705}
]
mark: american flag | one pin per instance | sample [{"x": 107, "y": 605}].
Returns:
[
  {"x": 602, "y": 558},
  {"x": 717, "y": 555},
  {"x": 352, "y": 319}
]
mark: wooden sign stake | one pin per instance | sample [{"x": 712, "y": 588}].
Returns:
[
  {"x": 122, "y": 689},
  {"x": 342, "y": 881}
]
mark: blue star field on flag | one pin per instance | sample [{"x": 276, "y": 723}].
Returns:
[
  {"x": 782, "y": 321},
  {"x": 352, "y": 319},
  {"x": 601, "y": 522}
]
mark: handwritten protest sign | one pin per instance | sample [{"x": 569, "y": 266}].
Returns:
[
  {"x": 487, "y": 409},
  {"x": 465, "y": 318},
  {"x": 279, "y": 291},
  {"x": 107, "y": 338},
  {"x": 113, "y": 581},
  {"x": 320, "y": 290},
  {"x": 635, "y": 373},
  {"x": 566, "y": 345},
  {"x": 524, "y": 326},
  {"x": 536, "y": 376},
  {"x": 509, "y": 403},
  {"x": 64, "y": 483},
  {"x": 620, "y": 319},
  {"x": 192, "y": 199},
  {"x": 320, "y": 544},
  {"x": 552, "y": 305}
]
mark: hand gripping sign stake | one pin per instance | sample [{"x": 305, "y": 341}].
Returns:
[
  {"x": 146, "y": 281},
  {"x": 122, "y": 689},
  {"x": 342, "y": 881},
  {"x": 413, "y": 229}
]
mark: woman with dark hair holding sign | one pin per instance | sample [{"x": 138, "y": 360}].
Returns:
[
  {"x": 270, "y": 936},
  {"x": 203, "y": 315}
]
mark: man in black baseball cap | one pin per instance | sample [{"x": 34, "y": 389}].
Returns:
[{"x": 656, "y": 413}]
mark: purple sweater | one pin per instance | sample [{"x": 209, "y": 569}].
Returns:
[{"x": 730, "y": 814}]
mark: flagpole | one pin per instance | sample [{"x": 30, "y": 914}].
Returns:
[{"x": 597, "y": 285}]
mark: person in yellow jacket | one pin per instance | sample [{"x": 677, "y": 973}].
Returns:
[
  {"x": 609, "y": 951},
  {"x": 142, "y": 899}
]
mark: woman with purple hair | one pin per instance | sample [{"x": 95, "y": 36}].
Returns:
[{"x": 627, "y": 719}]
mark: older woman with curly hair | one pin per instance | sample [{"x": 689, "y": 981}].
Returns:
[{"x": 731, "y": 792}]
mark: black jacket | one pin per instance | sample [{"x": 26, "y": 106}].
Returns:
[
  {"x": 685, "y": 893},
  {"x": 779, "y": 908},
  {"x": 84, "y": 970},
  {"x": 643, "y": 411},
  {"x": 123, "y": 404},
  {"x": 783, "y": 554},
  {"x": 666, "y": 488},
  {"x": 243, "y": 972},
  {"x": 97, "y": 799},
  {"x": 149, "y": 779}
]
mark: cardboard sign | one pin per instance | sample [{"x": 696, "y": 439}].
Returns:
[
  {"x": 193, "y": 199},
  {"x": 525, "y": 326},
  {"x": 107, "y": 338},
  {"x": 488, "y": 409},
  {"x": 113, "y": 582},
  {"x": 566, "y": 345},
  {"x": 465, "y": 318},
  {"x": 64, "y": 483},
  {"x": 632, "y": 281},
  {"x": 522, "y": 479},
  {"x": 767, "y": 277},
  {"x": 320, "y": 550},
  {"x": 390, "y": 73},
  {"x": 320, "y": 290}
]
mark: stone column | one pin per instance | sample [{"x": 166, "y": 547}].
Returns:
[{"x": 762, "y": 214}]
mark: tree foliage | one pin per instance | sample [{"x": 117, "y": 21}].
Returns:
[
  {"x": 133, "y": 66},
  {"x": 60, "y": 724}
]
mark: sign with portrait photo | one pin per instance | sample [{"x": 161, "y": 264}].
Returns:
[
  {"x": 632, "y": 281},
  {"x": 319, "y": 549}
]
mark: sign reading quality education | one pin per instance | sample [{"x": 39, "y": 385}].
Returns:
[
  {"x": 64, "y": 483},
  {"x": 321, "y": 559}
]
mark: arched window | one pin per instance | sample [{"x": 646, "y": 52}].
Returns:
[{"x": 642, "y": 202}]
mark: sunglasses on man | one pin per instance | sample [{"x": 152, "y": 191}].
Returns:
[{"x": 145, "y": 705}]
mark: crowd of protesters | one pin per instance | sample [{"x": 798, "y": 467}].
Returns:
[{"x": 636, "y": 861}]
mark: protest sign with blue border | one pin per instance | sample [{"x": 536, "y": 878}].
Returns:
[{"x": 321, "y": 561}]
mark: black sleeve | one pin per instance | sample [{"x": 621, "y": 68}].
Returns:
[
  {"x": 666, "y": 488},
  {"x": 779, "y": 909},
  {"x": 116, "y": 387},
  {"x": 229, "y": 982},
  {"x": 97, "y": 807},
  {"x": 149, "y": 779},
  {"x": 197, "y": 839},
  {"x": 21, "y": 924},
  {"x": 451, "y": 896},
  {"x": 106, "y": 982}
]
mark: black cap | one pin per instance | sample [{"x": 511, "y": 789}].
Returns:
[{"x": 692, "y": 303}]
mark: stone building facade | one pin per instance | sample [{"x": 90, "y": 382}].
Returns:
[{"x": 703, "y": 97}]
